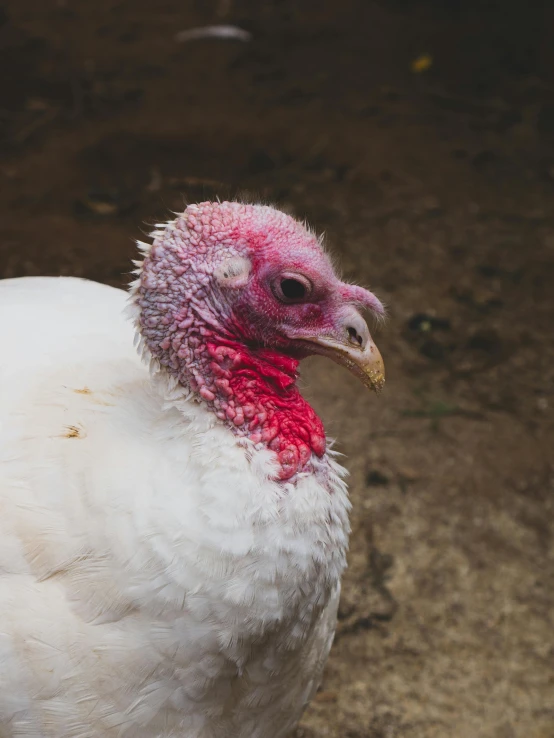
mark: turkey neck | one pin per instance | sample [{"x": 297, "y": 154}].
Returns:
[{"x": 254, "y": 392}]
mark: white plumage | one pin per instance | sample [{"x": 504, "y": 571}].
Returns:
[{"x": 153, "y": 581}]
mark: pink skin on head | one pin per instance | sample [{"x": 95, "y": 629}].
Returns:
[{"x": 213, "y": 312}]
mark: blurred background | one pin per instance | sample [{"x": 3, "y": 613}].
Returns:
[{"x": 419, "y": 135}]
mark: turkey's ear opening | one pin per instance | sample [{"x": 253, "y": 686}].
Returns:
[{"x": 233, "y": 272}]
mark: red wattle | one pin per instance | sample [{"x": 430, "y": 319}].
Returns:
[{"x": 257, "y": 393}]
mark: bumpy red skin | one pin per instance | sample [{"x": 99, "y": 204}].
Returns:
[
  {"x": 258, "y": 396},
  {"x": 236, "y": 347}
]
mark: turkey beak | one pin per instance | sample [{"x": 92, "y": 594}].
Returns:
[{"x": 351, "y": 346}]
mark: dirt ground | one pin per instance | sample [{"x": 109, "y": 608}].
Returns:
[{"x": 435, "y": 187}]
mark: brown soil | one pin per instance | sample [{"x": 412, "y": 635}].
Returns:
[{"x": 434, "y": 188}]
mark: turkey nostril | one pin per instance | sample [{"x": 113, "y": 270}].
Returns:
[{"x": 354, "y": 336}]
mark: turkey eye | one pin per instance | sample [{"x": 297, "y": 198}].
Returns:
[{"x": 292, "y": 289}]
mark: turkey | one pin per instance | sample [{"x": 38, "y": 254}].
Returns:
[{"x": 173, "y": 525}]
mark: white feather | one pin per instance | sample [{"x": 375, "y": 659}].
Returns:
[{"x": 154, "y": 581}]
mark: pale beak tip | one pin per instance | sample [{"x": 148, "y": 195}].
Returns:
[{"x": 376, "y": 380}]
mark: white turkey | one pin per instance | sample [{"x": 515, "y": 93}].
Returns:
[{"x": 172, "y": 528}]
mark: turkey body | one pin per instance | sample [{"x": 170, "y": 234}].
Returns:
[{"x": 154, "y": 580}]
